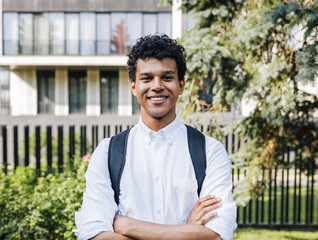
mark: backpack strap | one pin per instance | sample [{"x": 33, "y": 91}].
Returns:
[
  {"x": 116, "y": 160},
  {"x": 196, "y": 143}
]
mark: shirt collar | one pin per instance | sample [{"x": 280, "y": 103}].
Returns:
[{"x": 169, "y": 132}]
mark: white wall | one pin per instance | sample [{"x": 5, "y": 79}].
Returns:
[
  {"x": 1, "y": 28},
  {"x": 23, "y": 93},
  {"x": 61, "y": 92},
  {"x": 93, "y": 93},
  {"x": 124, "y": 94}
]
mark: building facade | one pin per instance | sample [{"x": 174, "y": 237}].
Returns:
[{"x": 68, "y": 57}]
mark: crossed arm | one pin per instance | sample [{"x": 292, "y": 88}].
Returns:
[{"x": 128, "y": 228}]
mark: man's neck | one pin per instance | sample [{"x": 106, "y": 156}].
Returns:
[{"x": 157, "y": 124}]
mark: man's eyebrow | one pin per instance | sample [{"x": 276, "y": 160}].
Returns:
[
  {"x": 144, "y": 74},
  {"x": 168, "y": 72},
  {"x": 149, "y": 74}
]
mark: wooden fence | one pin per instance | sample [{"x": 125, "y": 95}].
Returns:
[{"x": 290, "y": 198}]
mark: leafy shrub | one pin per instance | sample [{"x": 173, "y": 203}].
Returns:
[{"x": 33, "y": 207}]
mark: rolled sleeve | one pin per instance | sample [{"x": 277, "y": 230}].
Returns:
[
  {"x": 98, "y": 208},
  {"x": 218, "y": 181}
]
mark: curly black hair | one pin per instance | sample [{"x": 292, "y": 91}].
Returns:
[{"x": 157, "y": 46}]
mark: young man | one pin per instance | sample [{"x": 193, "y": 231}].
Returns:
[{"x": 158, "y": 189}]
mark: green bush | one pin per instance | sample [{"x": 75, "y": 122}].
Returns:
[{"x": 33, "y": 207}]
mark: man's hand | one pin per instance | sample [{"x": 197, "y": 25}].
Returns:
[
  {"x": 121, "y": 224},
  {"x": 200, "y": 213}
]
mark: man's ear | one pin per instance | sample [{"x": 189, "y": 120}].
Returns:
[
  {"x": 181, "y": 86},
  {"x": 133, "y": 87}
]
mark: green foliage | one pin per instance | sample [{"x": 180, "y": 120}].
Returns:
[
  {"x": 33, "y": 207},
  {"x": 261, "y": 52}
]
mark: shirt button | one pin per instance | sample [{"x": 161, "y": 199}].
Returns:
[
  {"x": 157, "y": 178},
  {"x": 158, "y": 211}
]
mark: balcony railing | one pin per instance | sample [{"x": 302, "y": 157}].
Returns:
[{"x": 66, "y": 47}]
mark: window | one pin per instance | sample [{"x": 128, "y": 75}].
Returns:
[
  {"x": 72, "y": 33},
  {"x": 41, "y": 34},
  {"x": 57, "y": 33},
  {"x": 134, "y": 29},
  {"x": 164, "y": 23},
  {"x": 45, "y": 86},
  {"x": 10, "y": 33},
  {"x": 87, "y": 33},
  {"x": 109, "y": 92},
  {"x": 149, "y": 23},
  {"x": 26, "y": 33},
  {"x": 4, "y": 92},
  {"x": 77, "y": 91},
  {"x": 103, "y": 33},
  {"x": 118, "y": 32}
]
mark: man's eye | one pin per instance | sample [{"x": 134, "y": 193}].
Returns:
[{"x": 168, "y": 77}]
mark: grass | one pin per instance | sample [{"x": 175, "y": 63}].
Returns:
[{"x": 265, "y": 234}]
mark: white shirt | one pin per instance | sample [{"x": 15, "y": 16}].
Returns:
[{"x": 158, "y": 183}]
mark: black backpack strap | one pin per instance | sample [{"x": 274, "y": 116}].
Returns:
[
  {"x": 196, "y": 143},
  {"x": 116, "y": 159}
]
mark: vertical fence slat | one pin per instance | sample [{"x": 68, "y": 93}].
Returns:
[
  {"x": 307, "y": 193},
  {"x": 262, "y": 205},
  {"x": 275, "y": 195},
  {"x": 5, "y": 149},
  {"x": 270, "y": 197},
  {"x": 299, "y": 192},
  {"x": 93, "y": 138},
  {"x": 49, "y": 145},
  {"x": 71, "y": 144},
  {"x": 60, "y": 148},
  {"x": 287, "y": 186},
  {"x": 256, "y": 210},
  {"x": 96, "y": 136},
  {"x": 26, "y": 146},
  {"x": 38, "y": 147},
  {"x": 312, "y": 193},
  {"x": 16, "y": 146},
  {"x": 282, "y": 195},
  {"x": 295, "y": 192},
  {"x": 83, "y": 140}
]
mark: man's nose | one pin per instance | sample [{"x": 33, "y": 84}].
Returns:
[{"x": 157, "y": 84}]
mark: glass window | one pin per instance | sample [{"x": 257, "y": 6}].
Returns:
[
  {"x": 164, "y": 23},
  {"x": 4, "y": 92},
  {"x": 41, "y": 33},
  {"x": 87, "y": 33},
  {"x": 149, "y": 23},
  {"x": 103, "y": 33},
  {"x": 10, "y": 33},
  {"x": 72, "y": 33},
  {"x": 109, "y": 92},
  {"x": 118, "y": 32},
  {"x": 134, "y": 29},
  {"x": 26, "y": 33},
  {"x": 77, "y": 91},
  {"x": 45, "y": 86},
  {"x": 57, "y": 33}
]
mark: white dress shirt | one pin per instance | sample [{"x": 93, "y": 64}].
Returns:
[{"x": 158, "y": 183}]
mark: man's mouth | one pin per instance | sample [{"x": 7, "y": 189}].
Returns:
[{"x": 157, "y": 98}]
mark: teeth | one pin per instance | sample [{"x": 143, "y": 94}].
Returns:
[{"x": 157, "y": 98}]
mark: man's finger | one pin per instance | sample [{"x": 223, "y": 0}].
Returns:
[
  {"x": 207, "y": 203},
  {"x": 206, "y": 210}
]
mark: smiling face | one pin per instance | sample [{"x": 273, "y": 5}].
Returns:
[{"x": 157, "y": 88}]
